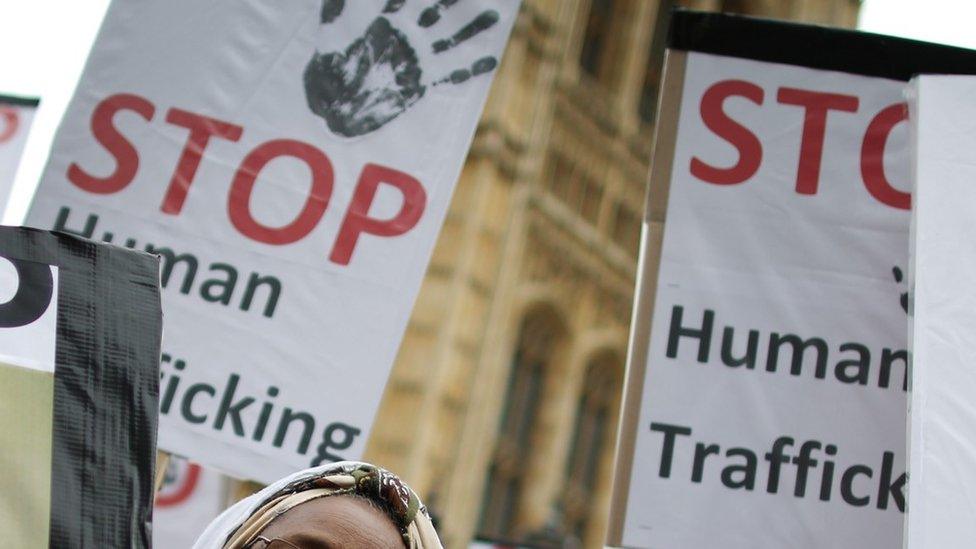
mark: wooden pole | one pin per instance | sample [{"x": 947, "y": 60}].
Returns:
[{"x": 652, "y": 240}]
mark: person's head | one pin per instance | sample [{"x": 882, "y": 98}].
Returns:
[
  {"x": 346, "y": 504},
  {"x": 337, "y": 521}
]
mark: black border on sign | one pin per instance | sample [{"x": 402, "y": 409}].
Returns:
[
  {"x": 19, "y": 101},
  {"x": 814, "y": 46}
]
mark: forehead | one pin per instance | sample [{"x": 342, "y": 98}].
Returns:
[{"x": 336, "y": 522}]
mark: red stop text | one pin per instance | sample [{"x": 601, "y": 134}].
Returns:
[
  {"x": 202, "y": 130},
  {"x": 816, "y": 107}
]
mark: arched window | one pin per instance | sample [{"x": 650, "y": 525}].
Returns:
[
  {"x": 596, "y": 417},
  {"x": 538, "y": 336},
  {"x": 596, "y": 37}
]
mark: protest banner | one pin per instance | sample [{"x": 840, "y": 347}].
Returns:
[
  {"x": 766, "y": 392},
  {"x": 16, "y": 115},
  {"x": 80, "y": 328},
  {"x": 942, "y": 416},
  {"x": 189, "y": 498},
  {"x": 292, "y": 163}
]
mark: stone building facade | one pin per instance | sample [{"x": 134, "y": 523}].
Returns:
[{"x": 503, "y": 403}]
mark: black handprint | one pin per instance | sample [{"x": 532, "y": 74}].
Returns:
[
  {"x": 379, "y": 76},
  {"x": 896, "y": 271}
]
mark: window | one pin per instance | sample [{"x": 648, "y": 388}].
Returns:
[
  {"x": 596, "y": 416},
  {"x": 506, "y": 478},
  {"x": 589, "y": 209},
  {"x": 569, "y": 183},
  {"x": 626, "y": 229},
  {"x": 596, "y": 37},
  {"x": 647, "y": 106},
  {"x": 565, "y": 183},
  {"x": 648, "y": 95}
]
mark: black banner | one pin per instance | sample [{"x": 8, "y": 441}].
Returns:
[
  {"x": 816, "y": 47},
  {"x": 106, "y": 382}
]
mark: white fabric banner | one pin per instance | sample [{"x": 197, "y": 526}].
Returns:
[
  {"x": 16, "y": 116},
  {"x": 293, "y": 163},
  {"x": 943, "y": 395},
  {"x": 773, "y": 411}
]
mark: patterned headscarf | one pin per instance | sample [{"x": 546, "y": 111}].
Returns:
[{"x": 243, "y": 523}]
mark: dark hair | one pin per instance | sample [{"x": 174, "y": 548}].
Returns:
[{"x": 377, "y": 504}]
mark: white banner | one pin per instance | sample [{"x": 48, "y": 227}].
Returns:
[
  {"x": 16, "y": 115},
  {"x": 293, "y": 163},
  {"x": 190, "y": 497},
  {"x": 943, "y": 396},
  {"x": 773, "y": 410}
]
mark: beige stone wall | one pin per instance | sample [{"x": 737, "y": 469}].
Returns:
[
  {"x": 836, "y": 13},
  {"x": 546, "y": 216}
]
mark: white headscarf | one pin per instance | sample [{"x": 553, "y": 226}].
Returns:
[{"x": 244, "y": 520}]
